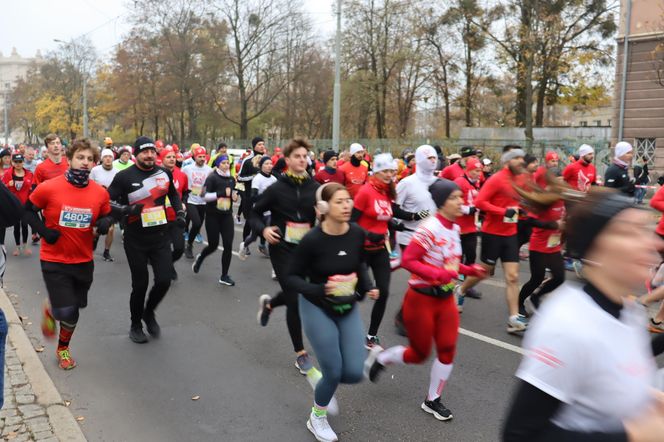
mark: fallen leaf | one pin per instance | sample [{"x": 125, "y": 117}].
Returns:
[
  {"x": 39, "y": 349},
  {"x": 80, "y": 418},
  {"x": 195, "y": 398},
  {"x": 67, "y": 403},
  {"x": 11, "y": 435}
]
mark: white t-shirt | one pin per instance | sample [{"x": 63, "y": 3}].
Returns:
[
  {"x": 102, "y": 176},
  {"x": 600, "y": 367},
  {"x": 261, "y": 182},
  {"x": 196, "y": 177},
  {"x": 413, "y": 196}
]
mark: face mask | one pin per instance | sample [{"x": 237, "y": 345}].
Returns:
[{"x": 77, "y": 177}]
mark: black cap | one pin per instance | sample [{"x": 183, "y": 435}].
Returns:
[
  {"x": 328, "y": 155},
  {"x": 255, "y": 141},
  {"x": 467, "y": 151},
  {"x": 441, "y": 189},
  {"x": 5, "y": 153},
  {"x": 143, "y": 143},
  {"x": 17, "y": 157}
]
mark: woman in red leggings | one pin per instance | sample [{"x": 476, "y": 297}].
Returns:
[{"x": 429, "y": 311}]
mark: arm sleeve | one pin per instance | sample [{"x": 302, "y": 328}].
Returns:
[
  {"x": 483, "y": 201},
  {"x": 534, "y": 222},
  {"x": 398, "y": 212},
  {"x": 297, "y": 272},
  {"x": 355, "y": 215},
  {"x": 411, "y": 261},
  {"x": 529, "y": 419},
  {"x": 262, "y": 205},
  {"x": 115, "y": 190}
]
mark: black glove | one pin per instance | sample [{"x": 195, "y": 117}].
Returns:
[
  {"x": 375, "y": 238},
  {"x": 181, "y": 220},
  {"x": 104, "y": 224},
  {"x": 472, "y": 210},
  {"x": 134, "y": 209},
  {"x": 509, "y": 213},
  {"x": 420, "y": 215},
  {"x": 50, "y": 235},
  {"x": 398, "y": 227}
]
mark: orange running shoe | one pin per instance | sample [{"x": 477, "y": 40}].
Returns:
[
  {"x": 65, "y": 361},
  {"x": 48, "y": 324}
]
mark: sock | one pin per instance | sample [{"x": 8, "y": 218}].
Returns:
[
  {"x": 319, "y": 411},
  {"x": 439, "y": 374},
  {"x": 393, "y": 355},
  {"x": 66, "y": 331}
]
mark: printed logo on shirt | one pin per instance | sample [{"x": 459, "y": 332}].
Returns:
[
  {"x": 383, "y": 210},
  {"x": 75, "y": 217}
]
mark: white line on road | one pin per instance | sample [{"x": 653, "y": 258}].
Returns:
[{"x": 492, "y": 341}]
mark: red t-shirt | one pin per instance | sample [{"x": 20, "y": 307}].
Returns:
[
  {"x": 21, "y": 189},
  {"x": 495, "y": 197},
  {"x": 323, "y": 176},
  {"x": 47, "y": 170},
  {"x": 180, "y": 182},
  {"x": 470, "y": 192},
  {"x": 657, "y": 203},
  {"x": 376, "y": 209},
  {"x": 355, "y": 177},
  {"x": 452, "y": 172},
  {"x": 548, "y": 240},
  {"x": 580, "y": 176},
  {"x": 539, "y": 177},
  {"x": 73, "y": 211}
]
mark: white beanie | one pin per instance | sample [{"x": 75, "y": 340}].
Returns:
[
  {"x": 106, "y": 152},
  {"x": 384, "y": 161},
  {"x": 585, "y": 150},
  {"x": 622, "y": 148},
  {"x": 355, "y": 148}
]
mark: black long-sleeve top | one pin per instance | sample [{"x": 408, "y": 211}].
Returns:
[
  {"x": 218, "y": 184},
  {"x": 320, "y": 258},
  {"x": 617, "y": 177}
]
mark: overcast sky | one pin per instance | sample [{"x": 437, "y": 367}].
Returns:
[{"x": 29, "y": 25}]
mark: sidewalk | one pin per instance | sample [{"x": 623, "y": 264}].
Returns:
[{"x": 33, "y": 409}]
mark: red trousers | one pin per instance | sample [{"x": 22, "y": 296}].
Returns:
[{"x": 427, "y": 319}]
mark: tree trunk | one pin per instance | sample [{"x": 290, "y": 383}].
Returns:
[{"x": 541, "y": 96}]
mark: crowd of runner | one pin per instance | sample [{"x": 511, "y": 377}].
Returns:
[{"x": 336, "y": 226}]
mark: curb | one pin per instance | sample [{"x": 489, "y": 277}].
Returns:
[{"x": 64, "y": 425}]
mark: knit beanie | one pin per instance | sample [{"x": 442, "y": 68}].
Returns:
[
  {"x": 255, "y": 141},
  {"x": 441, "y": 189}
]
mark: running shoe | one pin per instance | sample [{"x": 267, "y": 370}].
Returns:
[
  {"x": 137, "y": 335},
  {"x": 263, "y": 250},
  {"x": 226, "y": 280},
  {"x": 199, "y": 239},
  {"x": 531, "y": 305},
  {"x": 459, "y": 298},
  {"x": 578, "y": 268},
  {"x": 242, "y": 251},
  {"x": 436, "y": 407},
  {"x": 274, "y": 275},
  {"x": 196, "y": 265},
  {"x": 655, "y": 327},
  {"x": 48, "y": 325},
  {"x": 151, "y": 324},
  {"x": 65, "y": 361},
  {"x": 371, "y": 342},
  {"x": 186, "y": 236},
  {"x": 320, "y": 428},
  {"x": 264, "y": 309},
  {"x": 373, "y": 368},
  {"x": 27, "y": 251},
  {"x": 517, "y": 323},
  {"x": 107, "y": 256},
  {"x": 189, "y": 251},
  {"x": 238, "y": 221},
  {"x": 394, "y": 254},
  {"x": 304, "y": 363},
  {"x": 473, "y": 293}
]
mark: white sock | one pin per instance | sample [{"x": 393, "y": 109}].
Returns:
[
  {"x": 393, "y": 355},
  {"x": 439, "y": 374}
]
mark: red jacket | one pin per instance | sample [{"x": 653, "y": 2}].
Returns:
[
  {"x": 657, "y": 203},
  {"x": 323, "y": 176},
  {"x": 470, "y": 192},
  {"x": 580, "y": 176},
  {"x": 26, "y": 188},
  {"x": 452, "y": 172},
  {"x": 495, "y": 197}
]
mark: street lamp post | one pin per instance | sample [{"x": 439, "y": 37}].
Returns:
[
  {"x": 85, "y": 95},
  {"x": 336, "y": 105}
]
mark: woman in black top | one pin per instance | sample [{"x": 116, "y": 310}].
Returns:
[
  {"x": 219, "y": 194},
  {"x": 329, "y": 272}
]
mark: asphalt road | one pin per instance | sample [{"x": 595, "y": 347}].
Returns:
[{"x": 249, "y": 389}]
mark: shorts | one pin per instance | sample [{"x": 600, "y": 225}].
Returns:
[
  {"x": 661, "y": 251},
  {"x": 68, "y": 284},
  {"x": 495, "y": 247}
]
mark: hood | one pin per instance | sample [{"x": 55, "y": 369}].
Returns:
[{"x": 424, "y": 169}]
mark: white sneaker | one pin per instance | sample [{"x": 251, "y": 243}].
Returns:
[
  {"x": 517, "y": 323},
  {"x": 242, "y": 252},
  {"x": 313, "y": 376},
  {"x": 321, "y": 428}
]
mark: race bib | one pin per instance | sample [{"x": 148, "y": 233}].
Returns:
[
  {"x": 224, "y": 204},
  {"x": 239, "y": 187},
  {"x": 75, "y": 217},
  {"x": 553, "y": 241},
  {"x": 513, "y": 219},
  {"x": 344, "y": 285},
  {"x": 197, "y": 190},
  {"x": 153, "y": 216},
  {"x": 296, "y": 231}
]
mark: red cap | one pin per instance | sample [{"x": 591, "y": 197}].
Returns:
[
  {"x": 199, "y": 151},
  {"x": 165, "y": 151},
  {"x": 473, "y": 163},
  {"x": 551, "y": 155},
  {"x": 179, "y": 156},
  {"x": 277, "y": 149},
  {"x": 176, "y": 148},
  {"x": 159, "y": 144}
]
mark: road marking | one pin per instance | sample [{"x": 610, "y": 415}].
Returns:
[
  {"x": 494, "y": 283},
  {"x": 492, "y": 341}
]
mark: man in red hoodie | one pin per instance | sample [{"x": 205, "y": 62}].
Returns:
[
  {"x": 500, "y": 203},
  {"x": 456, "y": 170},
  {"x": 581, "y": 174}
]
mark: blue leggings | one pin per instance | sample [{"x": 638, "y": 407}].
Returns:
[{"x": 338, "y": 343}]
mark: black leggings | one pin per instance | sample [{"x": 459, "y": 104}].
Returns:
[
  {"x": 539, "y": 262},
  {"x": 246, "y": 205},
  {"x": 195, "y": 214},
  {"x": 254, "y": 235},
  {"x": 155, "y": 251},
  {"x": 280, "y": 256},
  {"x": 524, "y": 230},
  {"x": 469, "y": 248},
  {"x": 176, "y": 235},
  {"x": 379, "y": 262},
  {"x": 220, "y": 224}
]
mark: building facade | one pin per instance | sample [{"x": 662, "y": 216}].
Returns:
[{"x": 12, "y": 68}]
